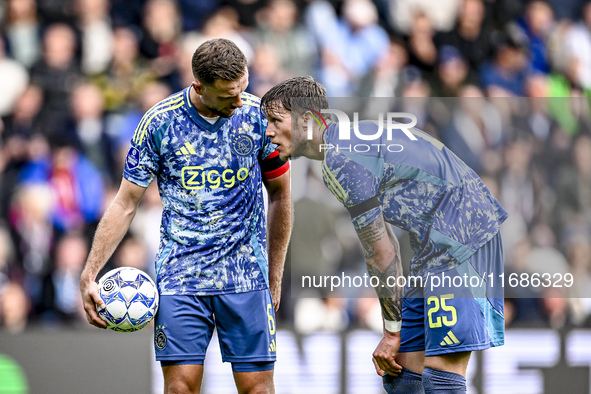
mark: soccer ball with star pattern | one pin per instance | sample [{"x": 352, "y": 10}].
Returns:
[{"x": 131, "y": 298}]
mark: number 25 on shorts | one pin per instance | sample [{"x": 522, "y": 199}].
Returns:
[{"x": 448, "y": 320}]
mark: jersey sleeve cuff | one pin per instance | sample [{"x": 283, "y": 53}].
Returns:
[
  {"x": 366, "y": 218},
  {"x": 142, "y": 183}
]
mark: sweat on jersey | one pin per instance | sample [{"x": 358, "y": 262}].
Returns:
[
  {"x": 417, "y": 185},
  {"x": 212, "y": 233}
]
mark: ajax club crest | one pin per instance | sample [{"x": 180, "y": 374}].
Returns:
[
  {"x": 242, "y": 144},
  {"x": 160, "y": 339}
]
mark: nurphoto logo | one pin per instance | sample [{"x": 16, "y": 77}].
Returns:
[{"x": 390, "y": 125}]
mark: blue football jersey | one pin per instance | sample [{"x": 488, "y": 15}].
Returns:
[
  {"x": 418, "y": 185},
  {"x": 212, "y": 233}
]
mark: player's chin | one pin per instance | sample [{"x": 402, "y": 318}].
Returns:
[
  {"x": 284, "y": 154},
  {"x": 228, "y": 113},
  {"x": 284, "y": 157}
]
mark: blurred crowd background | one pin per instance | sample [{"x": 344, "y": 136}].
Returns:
[{"x": 77, "y": 75}]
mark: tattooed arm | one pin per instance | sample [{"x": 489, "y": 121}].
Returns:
[{"x": 382, "y": 258}]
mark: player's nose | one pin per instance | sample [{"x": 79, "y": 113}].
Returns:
[{"x": 270, "y": 131}]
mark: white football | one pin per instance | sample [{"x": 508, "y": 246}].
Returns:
[{"x": 131, "y": 298}]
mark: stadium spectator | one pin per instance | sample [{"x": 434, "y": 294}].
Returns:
[
  {"x": 17, "y": 152},
  {"x": 537, "y": 25},
  {"x": 505, "y": 74},
  {"x": 77, "y": 187},
  {"x": 24, "y": 120},
  {"x": 87, "y": 127},
  {"x": 33, "y": 234},
  {"x": 14, "y": 308},
  {"x": 127, "y": 73},
  {"x": 22, "y": 29},
  {"x": 422, "y": 52},
  {"x": 161, "y": 29},
  {"x": 61, "y": 302},
  {"x": 279, "y": 27},
  {"x": 543, "y": 119},
  {"x": 387, "y": 79},
  {"x": 475, "y": 128},
  {"x": 96, "y": 35},
  {"x": 349, "y": 46},
  {"x": 453, "y": 72},
  {"x": 56, "y": 74},
  {"x": 18, "y": 129},
  {"x": 471, "y": 35},
  {"x": 75, "y": 184},
  {"x": 266, "y": 70},
  {"x": 536, "y": 121}
]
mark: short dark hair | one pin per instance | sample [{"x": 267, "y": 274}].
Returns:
[
  {"x": 297, "y": 95},
  {"x": 218, "y": 58}
]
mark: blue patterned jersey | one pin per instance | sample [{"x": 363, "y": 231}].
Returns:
[
  {"x": 212, "y": 233},
  {"x": 417, "y": 185}
]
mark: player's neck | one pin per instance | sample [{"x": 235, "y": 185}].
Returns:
[{"x": 199, "y": 106}]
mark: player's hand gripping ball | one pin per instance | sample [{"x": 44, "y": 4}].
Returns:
[{"x": 131, "y": 298}]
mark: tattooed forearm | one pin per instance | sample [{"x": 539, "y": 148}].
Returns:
[
  {"x": 370, "y": 235},
  {"x": 393, "y": 239},
  {"x": 389, "y": 292}
]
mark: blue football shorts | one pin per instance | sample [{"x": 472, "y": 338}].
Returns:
[
  {"x": 457, "y": 310},
  {"x": 245, "y": 324}
]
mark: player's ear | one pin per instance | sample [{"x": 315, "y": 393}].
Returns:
[
  {"x": 198, "y": 86},
  {"x": 305, "y": 118},
  {"x": 303, "y": 121}
]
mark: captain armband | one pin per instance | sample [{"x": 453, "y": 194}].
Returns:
[{"x": 272, "y": 166}]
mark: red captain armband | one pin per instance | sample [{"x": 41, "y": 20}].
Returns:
[{"x": 272, "y": 166}]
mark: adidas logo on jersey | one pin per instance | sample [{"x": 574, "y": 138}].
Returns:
[
  {"x": 449, "y": 339},
  {"x": 186, "y": 150}
]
